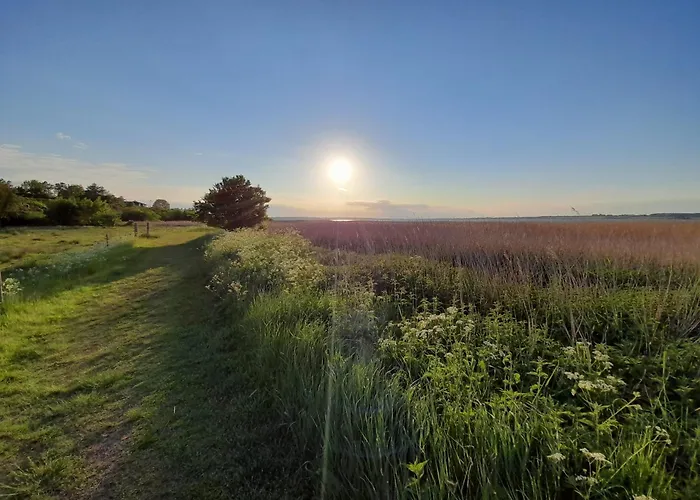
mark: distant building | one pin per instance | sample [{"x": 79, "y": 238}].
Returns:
[{"x": 134, "y": 204}]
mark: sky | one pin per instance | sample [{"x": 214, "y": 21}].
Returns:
[{"x": 442, "y": 109}]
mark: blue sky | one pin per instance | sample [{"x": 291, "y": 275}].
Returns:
[{"x": 443, "y": 108}]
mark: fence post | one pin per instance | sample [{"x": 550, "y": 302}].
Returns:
[
  {"x": 136, "y": 229},
  {"x": 148, "y": 229},
  {"x": 107, "y": 238}
]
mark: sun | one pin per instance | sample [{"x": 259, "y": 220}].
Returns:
[{"x": 340, "y": 170}]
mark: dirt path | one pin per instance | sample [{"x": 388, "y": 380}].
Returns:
[{"x": 136, "y": 393}]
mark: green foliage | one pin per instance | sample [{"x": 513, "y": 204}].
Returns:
[
  {"x": 36, "y": 202},
  {"x": 93, "y": 192},
  {"x": 178, "y": 214},
  {"x": 161, "y": 205},
  {"x": 7, "y": 199},
  {"x": 26, "y": 212},
  {"x": 63, "y": 212},
  {"x": 445, "y": 382},
  {"x": 84, "y": 212},
  {"x": 105, "y": 217},
  {"x": 64, "y": 190},
  {"x": 138, "y": 214},
  {"x": 248, "y": 262},
  {"x": 233, "y": 203},
  {"x": 35, "y": 189}
]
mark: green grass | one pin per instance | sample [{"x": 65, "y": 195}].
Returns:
[
  {"x": 402, "y": 377},
  {"x": 122, "y": 382},
  {"x": 28, "y": 246},
  {"x": 270, "y": 369},
  {"x": 21, "y": 247}
]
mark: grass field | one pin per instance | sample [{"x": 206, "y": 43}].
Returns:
[
  {"x": 118, "y": 380},
  {"x": 368, "y": 361},
  {"x": 31, "y": 246}
]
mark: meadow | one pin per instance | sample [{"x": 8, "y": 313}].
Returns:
[
  {"x": 353, "y": 360},
  {"x": 478, "y": 360},
  {"x": 119, "y": 379}
]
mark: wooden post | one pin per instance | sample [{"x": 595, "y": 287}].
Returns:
[
  {"x": 107, "y": 238},
  {"x": 148, "y": 229},
  {"x": 136, "y": 229}
]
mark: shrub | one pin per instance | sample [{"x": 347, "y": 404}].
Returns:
[
  {"x": 178, "y": 214},
  {"x": 137, "y": 214},
  {"x": 64, "y": 212},
  {"x": 105, "y": 218},
  {"x": 249, "y": 262}
]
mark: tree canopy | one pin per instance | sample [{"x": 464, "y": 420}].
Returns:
[
  {"x": 161, "y": 204},
  {"x": 36, "y": 202},
  {"x": 233, "y": 203}
]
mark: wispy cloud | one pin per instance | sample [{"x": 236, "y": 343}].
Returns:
[
  {"x": 388, "y": 209},
  {"x": 198, "y": 154},
  {"x": 10, "y": 146},
  {"x": 136, "y": 183},
  {"x": 20, "y": 165},
  {"x": 76, "y": 144},
  {"x": 383, "y": 205}
]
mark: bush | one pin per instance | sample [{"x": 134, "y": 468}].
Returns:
[
  {"x": 105, "y": 218},
  {"x": 63, "y": 212},
  {"x": 249, "y": 262},
  {"x": 26, "y": 212},
  {"x": 178, "y": 214},
  {"x": 136, "y": 214}
]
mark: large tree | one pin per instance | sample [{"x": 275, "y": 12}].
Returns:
[
  {"x": 35, "y": 189},
  {"x": 161, "y": 204},
  {"x": 93, "y": 191},
  {"x": 233, "y": 203},
  {"x": 64, "y": 190}
]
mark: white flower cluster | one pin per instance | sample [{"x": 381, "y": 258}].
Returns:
[
  {"x": 593, "y": 456},
  {"x": 589, "y": 480},
  {"x": 662, "y": 435},
  {"x": 432, "y": 326},
  {"x": 61, "y": 265},
  {"x": 11, "y": 287},
  {"x": 250, "y": 261},
  {"x": 556, "y": 457},
  {"x": 607, "y": 384},
  {"x": 595, "y": 364}
]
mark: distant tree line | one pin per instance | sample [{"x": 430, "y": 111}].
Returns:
[{"x": 40, "y": 203}]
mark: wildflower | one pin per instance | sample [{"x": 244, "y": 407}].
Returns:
[
  {"x": 594, "y": 456},
  {"x": 11, "y": 286},
  {"x": 600, "y": 356},
  {"x": 593, "y": 386},
  {"x": 642, "y": 497},
  {"x": 587, "y": 385},
  {"x": 569, "y": 350},
  {"x": 572, "y": 376},
  {"x": 662, "y": 434},
  {"x": 556, "y": 457},
  {"x": 589, "y": 480}
]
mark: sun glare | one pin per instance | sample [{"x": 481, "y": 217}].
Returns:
[{"x": 340, "y": 171}]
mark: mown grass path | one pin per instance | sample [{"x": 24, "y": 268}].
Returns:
[{"x": 125, "y": 385}]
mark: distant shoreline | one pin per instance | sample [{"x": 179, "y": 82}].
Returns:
[{"x": 569, "y": 218}]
